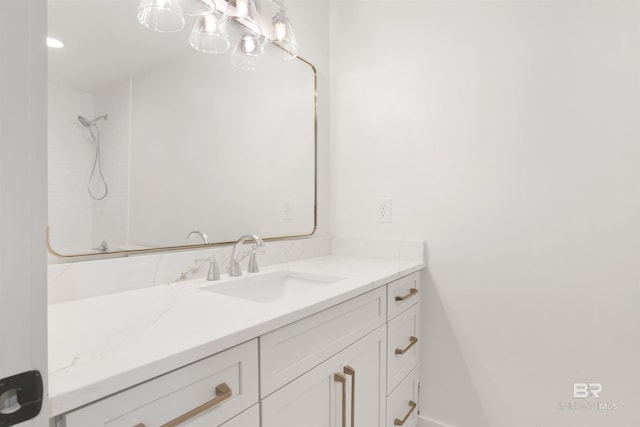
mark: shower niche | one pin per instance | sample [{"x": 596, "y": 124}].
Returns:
[{"x": 180, "y": 140}]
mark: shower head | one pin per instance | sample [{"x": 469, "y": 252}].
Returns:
[
  {"x": 84, "y": 121},
  {"x": 88, "y": 123}
]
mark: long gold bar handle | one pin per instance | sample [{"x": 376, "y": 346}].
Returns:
[
  {"x": 352, "y": 372},
  {"x": 412, "y": 292},
  {"x": 223, "y": 392},
  {"x": 338, "y": 377},
  {"x": 398, "y": 422},
  {"x": 413, "y": 342}
]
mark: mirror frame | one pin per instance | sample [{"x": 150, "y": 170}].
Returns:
[{"x": 113, "y": 254}]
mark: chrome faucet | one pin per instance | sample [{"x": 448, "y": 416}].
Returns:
[
  {"x": 234, "y": 263},
  {"x": 103, "y": 247},
  {"x": 203, "y": 236},
  {"x": 214, "y": 271}
]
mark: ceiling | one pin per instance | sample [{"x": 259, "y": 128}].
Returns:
[{"x": 105, "y": 44}]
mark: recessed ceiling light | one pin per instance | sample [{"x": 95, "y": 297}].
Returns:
[{"x": 54, "y": 43}]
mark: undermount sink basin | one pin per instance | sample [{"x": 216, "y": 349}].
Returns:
[{"x": 272, "y": 287}]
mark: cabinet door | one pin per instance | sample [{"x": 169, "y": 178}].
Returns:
[
  {"x": 325, "y": 396},
  {"x": 249, "y": 418},
  {"x": 313, "y": 400},
  {"x": 366, "y": 369}
]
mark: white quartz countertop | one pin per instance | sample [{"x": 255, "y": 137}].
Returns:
[{"x": 99, "y": 346}]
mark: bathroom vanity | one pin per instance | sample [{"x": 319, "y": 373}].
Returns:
[{"x": 343, "y": 351}]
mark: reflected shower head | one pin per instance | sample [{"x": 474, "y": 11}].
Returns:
[{"x": 86, "y": 123}]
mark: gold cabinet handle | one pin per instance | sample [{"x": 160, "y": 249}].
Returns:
[
  {"x": 412, "y": 292},
  {"x": 223, "y": 392},
  {"x": 140, "y": 425},
  {"x": 413, "y": 341},
  {"x": 338, "y": 377},
  {"x": 398, "y": 422},
  {"x": 352, "y": 372}
]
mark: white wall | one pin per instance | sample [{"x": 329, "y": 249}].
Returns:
[
  {"x": 506, "y": 134},
  {"x": 23, "y": 197}
]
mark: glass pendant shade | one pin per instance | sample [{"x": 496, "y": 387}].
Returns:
[
  {"x": 207, "y": 35},
  {"x": 247, "y": 54},
  {"x": 197, "y": 7},
  {"x": 214, "y": 31},
  {"x": 160, "y": 15},
  {"x": 282, "y": 44},
  {"x": 241, "y": 18}
]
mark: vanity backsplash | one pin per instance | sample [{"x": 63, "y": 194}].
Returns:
[{"x": 84, "y": 279}]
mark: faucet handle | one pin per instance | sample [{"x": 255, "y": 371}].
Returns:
[
  {"x": 252, "y": 267},
  {"x": 214, "y": 270}
]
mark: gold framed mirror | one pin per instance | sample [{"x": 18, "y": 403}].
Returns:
[{"x": 175, "y": 140}]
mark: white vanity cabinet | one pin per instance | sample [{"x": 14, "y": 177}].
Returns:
[
  {"x": 370, "y": 381},
  {"x": 249, "y": 418},
  {"x": 336, "y": 359},
  {"x": 353, "y": 364},
  {"x": 402, "y": 402},
  {"x": 403, "y": 320},
  {"x": 290, "y": 351},
  {"x": 206, "y": 393},
  {"x": 326, "y": 396}
]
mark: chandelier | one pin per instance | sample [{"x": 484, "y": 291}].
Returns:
[{"x": 215, "y": 30}]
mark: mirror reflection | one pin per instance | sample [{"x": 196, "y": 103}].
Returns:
[{"x": 149, "y": 139}]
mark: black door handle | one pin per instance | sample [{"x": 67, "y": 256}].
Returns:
[{"x": 29, "y": 394}]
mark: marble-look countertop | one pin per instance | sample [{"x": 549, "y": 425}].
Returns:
[{"x": 99, "y": 346}]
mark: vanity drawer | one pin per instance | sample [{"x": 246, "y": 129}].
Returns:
[
  {"x": 402, "y": 403},
  {"x": 290, "y": 351},
  {"x": 402, "y": 346},
  {"x": 216, "y": 388},
  {"x": 402, "y": 294}
]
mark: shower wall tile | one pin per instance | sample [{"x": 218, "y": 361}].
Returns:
[
  {"x": 70, "y": 157},
  {"x": 110, "y": 215},
  {"x": 77, "y": 222}
]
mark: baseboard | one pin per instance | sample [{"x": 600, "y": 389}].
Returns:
[{"x": 430, "y": 422}]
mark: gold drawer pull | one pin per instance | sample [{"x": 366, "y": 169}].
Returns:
[
  {"x": 398, "y": 422},
  {"x": 352, "y": 372},
  {"x": 223, "y": 392},
  {"x": 413, "y": 342},
  {"x": 412, "y": 292},
  {"x": 338, "y": 377}
]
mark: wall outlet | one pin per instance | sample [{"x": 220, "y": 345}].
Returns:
[
  {"x": 383, "y": 209},
  {"x": 286, "y": 210}
]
